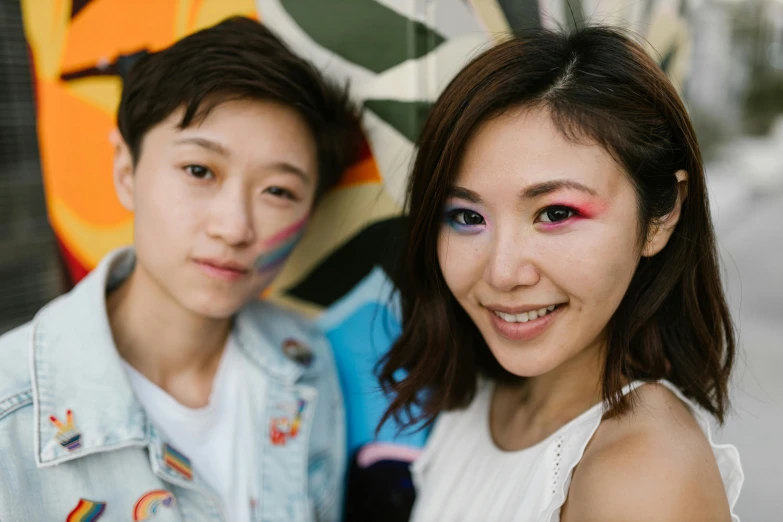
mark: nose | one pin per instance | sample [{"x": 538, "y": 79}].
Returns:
[
  {"x": 230, "y": 216},
  {"x": 512, "y": 261}
]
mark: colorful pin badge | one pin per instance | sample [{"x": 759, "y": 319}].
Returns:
[
  {"x": 148, "y": 505},
  {"x": 298, "y": 352},
  {"x": 282, "y": 429},
  {"x": 177, "y": 461},
  {"x": 86, "y": 511},
  {"x": 67, "y": 434}
]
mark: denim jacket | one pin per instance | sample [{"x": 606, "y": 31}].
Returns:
[{"x": 75, "y": 444}]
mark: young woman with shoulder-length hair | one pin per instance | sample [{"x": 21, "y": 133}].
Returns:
[{"x": 563, "y": 312}]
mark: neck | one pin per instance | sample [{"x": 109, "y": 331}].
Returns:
[
  {"x": 164, "y": 341},
  {"x": 528, "y": 412},
  {"x": 574, "y": 385}
]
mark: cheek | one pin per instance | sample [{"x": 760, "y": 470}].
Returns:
[
  {"x": 164, "y": 207},
  {"x": 596, "y": 268},
  {"x": 276, "y": 248},
  {"x": 460, "y": 261}
]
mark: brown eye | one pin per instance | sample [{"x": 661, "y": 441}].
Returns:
[
  {"x": 555, "y": 214},
  {"x": 464, "y": 218},
  {"x": 470, "y": 218},
  {"x": 281, "y": 193},
  {"x": 199, "y": 172}
]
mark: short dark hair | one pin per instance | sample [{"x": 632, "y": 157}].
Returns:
[
  {"x": 599, "y": 86},
  {"x": 239, "y": 58}
]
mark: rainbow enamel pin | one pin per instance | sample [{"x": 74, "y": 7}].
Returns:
[
  {"x": 177, "y": 461},
  {"x": 298, "y": 352},
  {"x": 67, "y": 434},
  {"x": 86, "y": 511},
  {"x": 282, "y": 429},
  {"x": 148, "y": 505}
]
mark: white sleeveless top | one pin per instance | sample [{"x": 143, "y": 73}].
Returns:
[{"x": 463, "y": 476}]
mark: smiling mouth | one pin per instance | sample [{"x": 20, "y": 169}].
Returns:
[{"x": 526, "y": 316}]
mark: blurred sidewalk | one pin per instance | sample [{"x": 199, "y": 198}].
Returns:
[{"x": 748, "y": 213}]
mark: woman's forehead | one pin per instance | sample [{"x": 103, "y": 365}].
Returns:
[{"x": 525, "y": 148}]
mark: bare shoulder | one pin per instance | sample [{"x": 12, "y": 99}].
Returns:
[{"x": 652, "y": 464}]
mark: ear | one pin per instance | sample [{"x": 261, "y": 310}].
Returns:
[
  {"x": 659, "y": 232},
  {"x": 122, "y": 170}
]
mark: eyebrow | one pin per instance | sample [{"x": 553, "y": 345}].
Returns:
[
  {"x": 531, "y": 192},
  {"x": 463, "y": 193},
  {"x": 281, "y": 166},
  {"x": 288, "y": 168},
  {"x": 548, "y": 187},
  {"x": 206, "y": 144}
]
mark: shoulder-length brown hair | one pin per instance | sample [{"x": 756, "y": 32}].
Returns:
[{"x": 599, "y": 85}]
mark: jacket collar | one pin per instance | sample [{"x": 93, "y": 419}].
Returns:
[{"x": 76, "y": 367}]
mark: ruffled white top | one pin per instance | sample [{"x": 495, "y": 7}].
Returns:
[{"x": 463, "y": 476}]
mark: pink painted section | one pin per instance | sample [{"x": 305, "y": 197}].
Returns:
[
  {"x": 286, "y": 233},
  {"x": 373, "y": 453}
]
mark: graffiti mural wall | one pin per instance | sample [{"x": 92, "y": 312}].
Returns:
[{"x": 397, "y": 55}]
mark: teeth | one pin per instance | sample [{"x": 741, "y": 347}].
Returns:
[{"x": 525, "y": 316}]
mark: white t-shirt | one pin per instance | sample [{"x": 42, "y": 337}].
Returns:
[
  {"x": 216, "y": 438},
  {"x": 462, "y": 476}
]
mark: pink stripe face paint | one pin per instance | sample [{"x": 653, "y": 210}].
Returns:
[
  {"x": 579, "y": 211},
  {"x": 278, "y": 247}
]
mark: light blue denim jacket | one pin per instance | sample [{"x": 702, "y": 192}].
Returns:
[{"x": 65, "y": 359}]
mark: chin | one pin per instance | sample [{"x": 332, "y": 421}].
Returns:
[
  {"x": 213, "y": 307},
  {"x": 522, "y": 364}
]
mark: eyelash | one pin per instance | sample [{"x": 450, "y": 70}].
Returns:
[
  {"x": 452, "y": 217},
  {"x": 275, "y": 191},
  {"x": 189, "y": 170},
  {"x": 571, "y": 211},
  {"x": 282, "y": 193}
]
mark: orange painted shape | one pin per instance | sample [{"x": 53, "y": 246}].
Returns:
[
  {"x": 76, "y": 155},
  {"x": 194, "y": 9},
  {"x": 106, "y": 28},
  {"x": 365, "y": 171}
]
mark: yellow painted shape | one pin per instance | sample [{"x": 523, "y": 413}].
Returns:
[
  {"x": 46, "y": 25},
  {"x": 340, "y": 216},
  {"x": 491, "y": 15},
  {"x": 667, "y": 30},
  {"x": 182, "y": 17},
  {"x": 214, "y": 11},
  {"x": 86, "y": 241},
  {"x": 102, "y": 92}
]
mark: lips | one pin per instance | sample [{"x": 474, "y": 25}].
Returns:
[
  {"x": 224, "y": 265},
  {"x": 226, "y": 270},
  {"x": 525, "y": 325},
  {"x": 524, "y": 317}
]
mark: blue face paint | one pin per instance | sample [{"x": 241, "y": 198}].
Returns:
[{"x": 280, "y": 246}]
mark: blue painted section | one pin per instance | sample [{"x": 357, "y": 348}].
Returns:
[{"x": 361, "y": 328}]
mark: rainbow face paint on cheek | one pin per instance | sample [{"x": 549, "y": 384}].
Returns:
[{"x": 278, "y": 247}]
